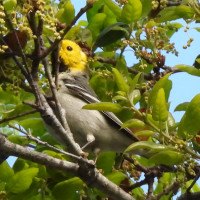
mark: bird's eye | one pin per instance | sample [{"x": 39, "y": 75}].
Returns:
[{"x": 69, "y": 48}]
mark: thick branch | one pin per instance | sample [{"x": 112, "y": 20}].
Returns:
[
  {"x": 86, "y": 172},
  {"x": 190, "y": 196},
  {"x": 12, "y": 149}
]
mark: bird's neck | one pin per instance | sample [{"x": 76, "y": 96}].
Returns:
[{"x": 78, "y": 67}]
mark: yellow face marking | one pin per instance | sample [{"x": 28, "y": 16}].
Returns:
[{"x": 72, "y": 56}]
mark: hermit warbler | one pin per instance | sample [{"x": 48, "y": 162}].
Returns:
[{"x": 100, "y": 130}]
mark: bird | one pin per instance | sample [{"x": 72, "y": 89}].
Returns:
[{"x": 95, "y": 131}]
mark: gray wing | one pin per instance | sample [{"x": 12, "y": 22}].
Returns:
[{"x": 85, "y": 92}]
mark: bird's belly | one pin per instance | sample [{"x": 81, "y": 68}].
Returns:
[{"x": 84, "y": 122}]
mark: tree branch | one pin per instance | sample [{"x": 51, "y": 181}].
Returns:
[
  {"x": 19, "y": 44},
  {"x": 69, "y": 26},
  {"x": 190, "y": 196},
  {"x": 85, "y": 171},
  {"x": 40, "y": 142},
  {"x": 17, "y": 116},
  {"x": 60, "y": 110},
  {"x": 172, "y": 188},
  {"x": 22, "y": 85}
]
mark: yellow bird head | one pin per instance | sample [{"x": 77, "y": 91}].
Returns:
[{"x": 72, "y": 56}]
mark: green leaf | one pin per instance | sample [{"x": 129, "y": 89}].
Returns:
[
  {"x": 112, "y": 33},
  {"x": 6, "y": 172},
  {"x": 20, "y": 164},
  {"x": 121, "y": 66},
  {"x": 9, "y": 5},
  {"x": 136, "y": 123},
  {"x": 148, "y": 145},
  {"x": 162, "y": 83},
  {"x": 21, "y": 181},
  {"x": 167, "y": 158},
  {"x": 159, "y": 111},
  {"x": 21, "y": 108},
  {"x": 164, "y": 182},
  {"x": 96, "y": 8},
  {"x": 172, "y": 28},
  {"x": 138, "y": 193},
  {"x": 113, "y": 7},
  {"x": 197, "y": 28},
  {"x": 73, "y": 32},
  {"x": 105, "y": 161},
  {"x": 66, "y": 14},
  {"x": 170, "y": 122},
  {"x": 197, "y": 62},
  {"x": 182, "y": 107},
  {"x": 119, "y": 98},
  {"x": 116, "y": 177},
  {"x": 146, "y": 7},
  {"x": 134, "y": 82},
  {"x": 99, "y": 85},
  {"x": 121, "y": 83},
  {"x": 17, "y": 139},
  {"x": 144, "y": 133},
  {"x": 132, "y": 92},
  {"x": 190, "y": 122},
  {"x": 8, "y": 98},
  {"x": 7, "y": 108},
  {"x": 131, "y": 11},
  {"x": 68, "y": 189},
  {"x": 103, "y": 106},
  {"x": 110, "y": 16},
  {"x": 189, "y": 69},
  {"x": 175, "y": 12},
  {"x": 35, "y": 125},
  {"x": 96, "y": 24},
  {"x": 135, "y": 96},
  {"x": 195, "y": 187}
]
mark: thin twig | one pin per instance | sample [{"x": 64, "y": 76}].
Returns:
[
  {"x": 150, "y": 189},
  {"x": 18, "y": 42},
  {"x": 88, "y": 173},
  {"x": 59, "y": 109},
  {"x": 19, "y": 64},
  {"x": 193, "y": 182},
  {"x": 155, "y": 76},
  {"x": 136, "y": 185},
  {"x": 69, "y": 26},
  {"x": 147, "y": 76},
  {"x": 17, "y": 116},
  {"x": 33, "y": 105},
  {"x": 40, "y": 142},
  {"x": 22, "y": 85},
  {"x": 172, "y": 188},
  {"x": 170, "y": 3},
  {"x": 137, "y": 165}
]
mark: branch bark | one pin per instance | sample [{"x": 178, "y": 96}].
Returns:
[{"x": 84, "y": 170}]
